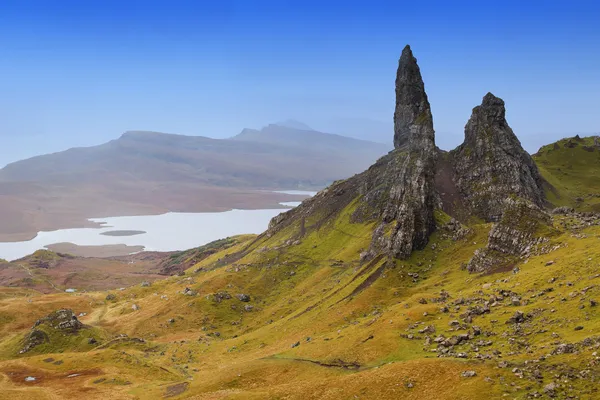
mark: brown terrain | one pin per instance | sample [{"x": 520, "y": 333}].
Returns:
[
  {"x": 111, "y": 250},
  {"x": 49, "y": 272},
  {"x": 144, "y": 173},
  {"x": 93, "y": 268}
]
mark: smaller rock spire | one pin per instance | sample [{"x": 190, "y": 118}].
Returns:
[{"x": 491, "y": 164}]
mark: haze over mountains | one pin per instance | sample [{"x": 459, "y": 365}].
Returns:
[
  {"x": 355, "y": 127},
  {"x": 150, "y": 172}
]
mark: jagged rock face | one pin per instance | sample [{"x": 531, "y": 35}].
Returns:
[
  {"x": 517, "y": 234},
  {"x": 491, "y": 164},
  {"x": 401, "y": 191},
  {"x": 398, "y": 190}
]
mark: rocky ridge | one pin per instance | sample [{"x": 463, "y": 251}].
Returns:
[{"x": 402, "y": 191}]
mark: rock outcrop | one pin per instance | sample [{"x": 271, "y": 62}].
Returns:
[
  {"x": 522, "y": 228},
  {"x": 401, "y": 191},
  {"x": 398, "y": 190},
  {"x": 63, "y": 321},
  {"x": 491, "y": 164}
]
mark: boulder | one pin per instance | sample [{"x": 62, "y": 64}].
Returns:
[{"x": 243, "y": 297}]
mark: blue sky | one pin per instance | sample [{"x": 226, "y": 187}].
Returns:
[{"x": 78, "y": 73}]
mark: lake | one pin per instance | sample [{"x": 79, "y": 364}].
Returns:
[{"x": 165, "y": 232}]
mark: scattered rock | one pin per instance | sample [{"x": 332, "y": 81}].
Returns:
[
  {"x": 243, "y": 297},
  {"x": 189, "y": 292},
  {"x": 517, "y": 318},
  {"x": 564, "y": 348},
  {"x": 550, "y": 389}
]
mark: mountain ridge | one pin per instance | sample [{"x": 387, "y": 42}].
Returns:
[{"x": 150, "y": 172}]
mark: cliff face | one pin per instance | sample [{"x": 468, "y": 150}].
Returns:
[
  {"x": 403, "y": 189},
  {"x": 491, "y": 163}
]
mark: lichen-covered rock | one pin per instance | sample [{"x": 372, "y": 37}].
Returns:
[
  {"x": 563, "y": 210},
  {"x": 523, "y": 226},
  {"x": 220, "y": 296},
  {"x": 491, "y": 164}
]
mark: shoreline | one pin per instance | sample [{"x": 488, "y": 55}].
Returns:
[{"x": 95, "y": 223}]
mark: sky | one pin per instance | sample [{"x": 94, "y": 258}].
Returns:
[{"x": 80, "y": 73}]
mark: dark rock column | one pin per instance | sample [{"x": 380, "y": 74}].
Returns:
[{"x": 408, "y": 218}]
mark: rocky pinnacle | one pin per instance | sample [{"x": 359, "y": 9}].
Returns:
[
  {"x": 491, "y": 164},
  {"x": 413, "y": 124},
  {"x": 408, "y": 213},
  {"x": 400, "y": 192}
]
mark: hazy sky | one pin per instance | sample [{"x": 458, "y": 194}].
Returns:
[{"x": 76, "y": 73}]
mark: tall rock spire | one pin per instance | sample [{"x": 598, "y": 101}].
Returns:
[
  {"x": 491, "y": 165},
  {"x": 413, "y": 124},
  {"x": 407, "y": 219}
]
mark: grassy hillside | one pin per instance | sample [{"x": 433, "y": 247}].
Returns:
[
  {"x": 297, "y": 315},
  {"x": 572, "y": 167}
]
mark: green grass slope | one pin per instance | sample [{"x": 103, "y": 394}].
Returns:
[{"x": 572, "y": 167}]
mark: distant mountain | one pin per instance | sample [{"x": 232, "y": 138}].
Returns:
[
  {"x": 308, "y": 139},
  {"x": 294, "y": 124},
  {"x": 151, "y": 172},
  {"x": 362, "y": 128}
]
